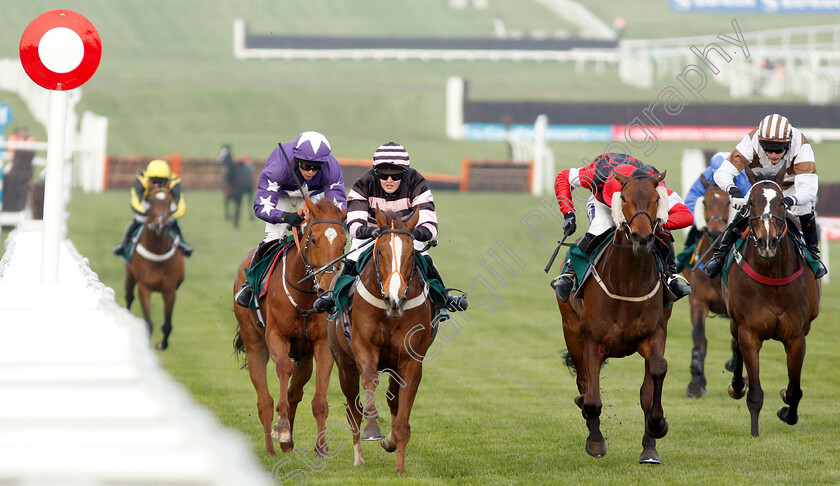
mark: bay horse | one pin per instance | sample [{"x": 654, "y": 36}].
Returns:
[
  {"x": 157, "y": 264},
  {"x": 237, "y": 182},
  {"x": 391, "y": 332},
  {"x": 772, "y": 295},
  {"x": 622, "y": 311},
  {"x": 293, "y": 331},
  {"x": 706, "y": 293}
]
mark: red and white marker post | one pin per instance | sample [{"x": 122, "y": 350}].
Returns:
[{"x": 59, "y": 50}]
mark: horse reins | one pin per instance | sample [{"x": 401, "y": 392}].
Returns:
[{"x": 381, "y": 284}]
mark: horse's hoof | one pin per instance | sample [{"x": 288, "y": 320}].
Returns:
[
  {"x": 596, "y": 449},
  {"x": 729, "y": 365},
  {"x": 372, "y": 433},
  {"x": 736, "y": 395},
  {"x": 287, "y": 446},
  {"x": 388, "y": 443},
  {"x": 579, "y": 401},
  {"x": 161, "y": 345},
  {"x": 784, "y": 415},
  {"x": 695, "y": 391},
  {"x": 649, "y": 456},
  {"x": 783, "y": 395}
]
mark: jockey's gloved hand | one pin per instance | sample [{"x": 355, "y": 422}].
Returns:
[
  {"x": 292, "y": 219},
  {"x": 569, "y": 225},
  {"x": 789, "y": 202},
  {"x": 422, "y": 234},
  {"x": 367, "y": 232},
  {"x": 737, "y": 198}
]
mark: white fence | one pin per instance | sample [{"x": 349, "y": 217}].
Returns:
[{"x": 84, "y": 399}]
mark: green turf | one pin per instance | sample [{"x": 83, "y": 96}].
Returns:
[{"x": 495, "y": 405}]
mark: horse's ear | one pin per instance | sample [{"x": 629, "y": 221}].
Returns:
[
  {"x": 750, "y": 174},
  {"x": 381, "y": 219},
  {"x": 621, "y": 178},
  {"x": 780, "y": 176},
  {"x": 412, "y": 221},
  {"x": 309, "y": 204},
  {"x": 661, "y": 176},
  {"x": 704, "y": 181},
  {"x": 344, "y": 215}
]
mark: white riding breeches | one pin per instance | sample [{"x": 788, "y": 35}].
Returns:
[
  {"x": 275, "y": 231},
  {"x": 600, "y": 216}
]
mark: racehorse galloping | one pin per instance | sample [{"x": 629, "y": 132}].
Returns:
[
  {"x": 391, "y": 330},
  {"x": 292, "y": 329},
  {"x": 706, "y": 294},
  {"x": 622, "y": 312},
  {"x": 773, "y": 295},
  {"x": 157, "y": 264},
  {"x": 237, "y": 181}
]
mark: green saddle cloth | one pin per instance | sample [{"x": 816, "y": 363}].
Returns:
[
  {"x": 254, "y": 274},
  {"x": 581, "y": 262},
  {"x": 684, "y": 256},
  {"x": 344, "y": 284}
]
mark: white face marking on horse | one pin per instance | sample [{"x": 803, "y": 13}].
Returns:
[
  {"x": 769, "y": 194},
  {"x": 160, "y": 196},
  {"x": 331, "y": 234},
  {"x": 394, "y": 282}
]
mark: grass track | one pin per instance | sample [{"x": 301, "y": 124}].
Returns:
[{"x": 495, "y": 405}]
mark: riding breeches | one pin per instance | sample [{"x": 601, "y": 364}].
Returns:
[{"x": 274, "y": 231}]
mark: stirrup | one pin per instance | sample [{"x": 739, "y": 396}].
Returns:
[
  {"x": 118, "y": 250},
  {"x": 562, "y": 285},
  {"x": 324, "y": 303},
  {"x": 456, "y": 303},
  {"x": 678, "y": 288}
]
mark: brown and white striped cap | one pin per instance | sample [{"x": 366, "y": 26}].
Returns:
[
  {"x": 391, "y": 153},
  {"x": 774, "y": 128}
]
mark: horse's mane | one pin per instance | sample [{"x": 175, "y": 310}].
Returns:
[
  {"x": 397, "y": 220},
  {"x": 325, "y": 205}
]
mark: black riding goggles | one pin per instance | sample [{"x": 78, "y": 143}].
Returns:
[
  {"x": 309, "y": 165},
  {"x": 158, "y": 181},
  {"x": 394, "y": 174},
  {"x": 774, "y": 147}
]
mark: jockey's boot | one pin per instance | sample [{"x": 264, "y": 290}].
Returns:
[
  {"x": 730, "y": 236},
  {"x": 675, "y": 283},
  {"x": 326, "y": 301},
  {"x": 185, "y": 248},
  {"x": 691, "y": 240},
  {"x": 811, "y": 235},
  {"x": 245, "y": 293},
  {"x": 120, "y": 249},
  {"x": 454, "y": 303},
  {"x": 564, "y": 283}
]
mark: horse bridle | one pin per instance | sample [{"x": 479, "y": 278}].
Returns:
[
  {"x": 769, "y": 217},
  {"x": 331, "y": 267},
  {"x": 625, "y": 226},
  {"x": 376, "y": 260}
]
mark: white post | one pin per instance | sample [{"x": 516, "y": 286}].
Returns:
[
  {"x": 538, "y": 169},
  {"x": 455, "y": 108},
  {"x": 53, "y": 186}
]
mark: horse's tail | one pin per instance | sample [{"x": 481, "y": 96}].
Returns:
[
  {"x": 239, "y": 349},
  {"x": 567, "y": 360}
]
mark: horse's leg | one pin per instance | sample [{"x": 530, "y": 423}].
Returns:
[
  {"x": 237, "y": 204},
  {"x": 367, "y": 358},
  {"x": 410, "y": 372},
  {"x": 697, "y": 386},
  {"x": 257, "y": 358},
  {"x": 730, "y": 364},
  {"x": 650, "y": 395},
  {"x": 144, "y": 295},
  {"x": 278, "y": 347},
  {"x": 750, "y": 346},
  {"x": 738, "y": 386},
  {"x": 168, "y": 307},
  {"x": 792, "y": 394},
  {"x": 301, "y": 372},
  {"x": 394, "y": 385},
  {"x": 591, "y": 404},
  {"x": 348, "y": 378},
  {"x": 320, "y": 407},
  {"x": 130, "y": 282}
]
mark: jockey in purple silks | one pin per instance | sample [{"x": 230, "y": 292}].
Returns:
[{"x": 308, "y": 161}]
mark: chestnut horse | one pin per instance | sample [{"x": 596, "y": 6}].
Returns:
[
  {"x": 292, "y": 329},
  {"x": 772, "y": 295},
  {"x": 622, "y": 311},
  {"x": 391, "y": 332},
  {"x": 157, "y": 264},
  {"x": 706, "y": 294}
]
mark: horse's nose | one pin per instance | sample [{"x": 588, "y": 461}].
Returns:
[{"x": 639, "y": 239}]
